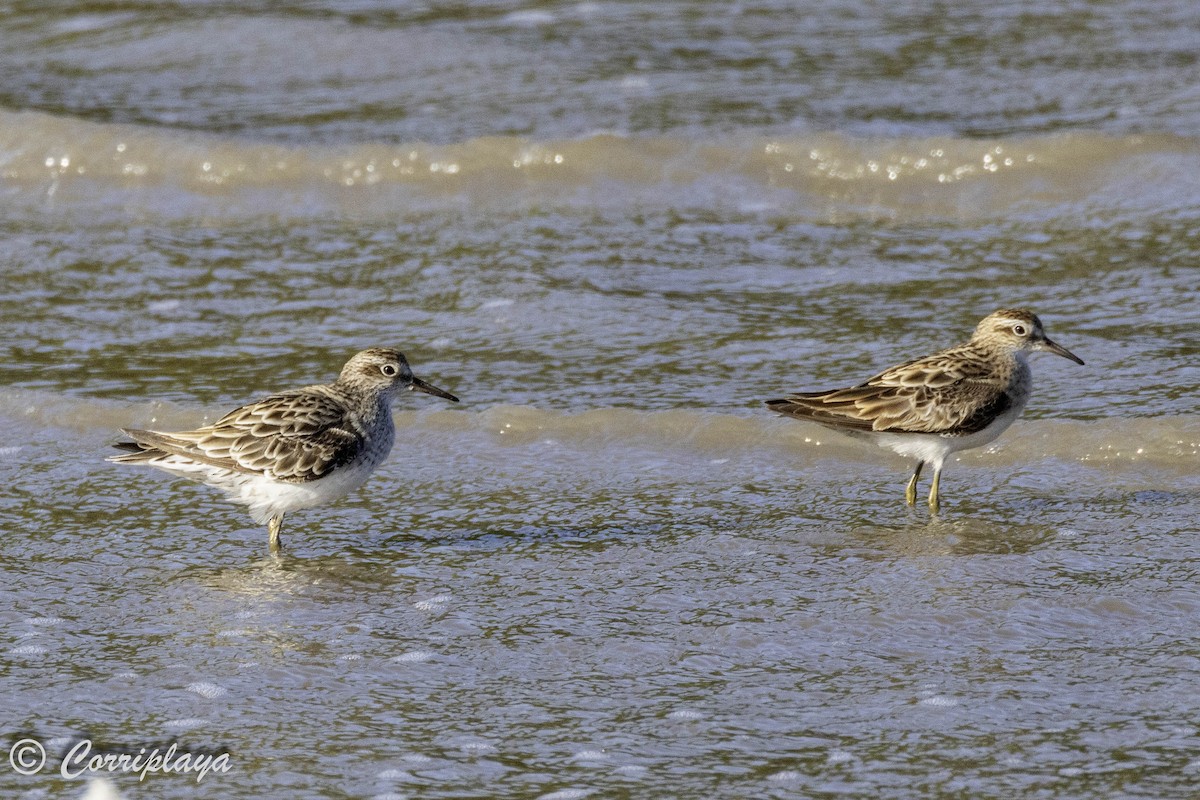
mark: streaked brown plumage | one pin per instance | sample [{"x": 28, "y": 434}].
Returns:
[
  {"x": 953, "y": 400},
  {"x": 295, "y": 449}
]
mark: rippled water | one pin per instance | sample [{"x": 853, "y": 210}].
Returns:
[{"x": 612, "y": 230}]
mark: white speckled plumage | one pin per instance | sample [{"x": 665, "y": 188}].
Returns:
[
  {"x": 956, "y": 399},
  {"x": 295, "y": 449}
]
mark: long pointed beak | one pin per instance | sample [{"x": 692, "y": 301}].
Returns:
[
  {"x": 419, "y": 385},
  {"x": 1058, "y": 349}
]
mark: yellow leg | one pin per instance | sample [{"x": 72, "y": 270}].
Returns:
[
  {"x": 910, "y": 494},
  {"x": 273, "y": 528},
  {"x": 934, "y": 503}
]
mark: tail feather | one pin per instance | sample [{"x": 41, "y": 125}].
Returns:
[
  {"x": 822, "y": 409},
  {"x": 135, "y": 452}
]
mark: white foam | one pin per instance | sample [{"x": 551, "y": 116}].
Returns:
[
  {"x": 432, "y": 603},
  {"x": 185, "y": 724},
  {"x": 162, "y": 306},
  {"x": 28, "y": 650},
  {"x": 785, "y": 776},
  {"x": 565, "y": 794},
  {"x": 207, "y": 690},
  {"x": 685, "y": 713}
]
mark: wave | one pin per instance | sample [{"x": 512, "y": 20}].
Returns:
[
  {"x": 1168, "y": 444},
  {"x": 162, "y": 171}
]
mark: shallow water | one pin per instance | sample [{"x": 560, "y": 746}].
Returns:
[{"x": 612, "y": 230}]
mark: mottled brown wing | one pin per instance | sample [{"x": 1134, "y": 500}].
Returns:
[
  {"x": 950, "y": 393},
  {"x": 296, "y": 436}
]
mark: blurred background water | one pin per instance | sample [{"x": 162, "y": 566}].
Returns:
[{"x": 613, "y": 229}]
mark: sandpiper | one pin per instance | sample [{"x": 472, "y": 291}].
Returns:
[
  {"x": 296, "y": 449},
  {"x": 955, "y": 399}
]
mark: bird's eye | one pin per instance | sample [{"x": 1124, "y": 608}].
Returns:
[
  {"x": 389, "y": 370},
  {"x": 1019, "y": 330}
]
